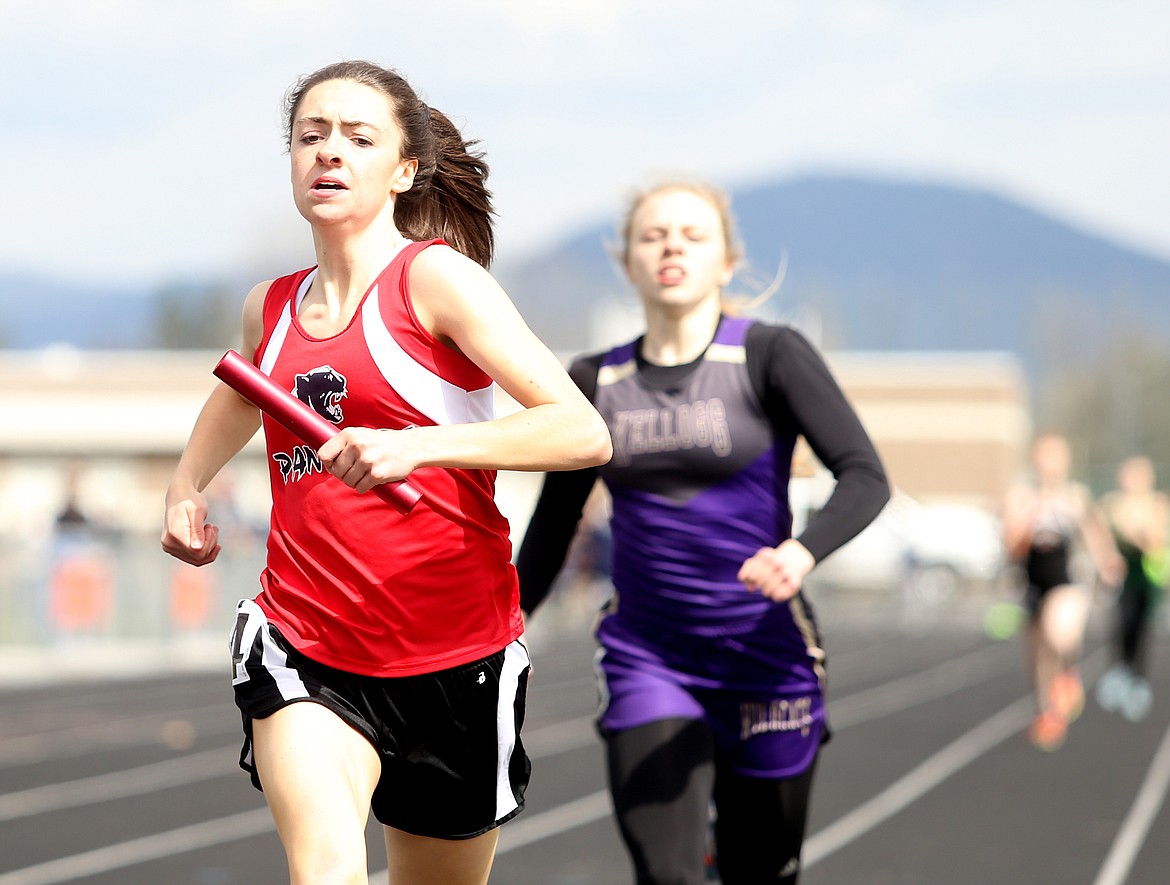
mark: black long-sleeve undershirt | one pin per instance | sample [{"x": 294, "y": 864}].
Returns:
[{"x": 799, "y": 396}]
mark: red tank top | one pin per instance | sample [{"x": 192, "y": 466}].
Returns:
[{"x": 350, "y": 581}]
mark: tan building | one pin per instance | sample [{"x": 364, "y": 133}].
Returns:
[
  {"x": 950, "y": 426},
  {"x": 102, "y": 432},
  {"x": 111, "y": 422}
]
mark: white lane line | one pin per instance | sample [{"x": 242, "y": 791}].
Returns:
[
  {"x": 578, "y": 812},
  {"x": 927, "y": 685},
  {"x": 1137, "y": 823},
  {"x": 929, "y": 774},
  {"x": 940, "y": 680},
  {"x": 81, "y": 740},
  {"x": 560, "y": 737},
  {"x": 943, "y": 679},
  {"x": 114, "y": 857},
  {"x": 525, "y": 831},
  {"x": 119, "y": 784},
  {"x": 548, "y": 741},
  {"x": 919, "y": 781}
]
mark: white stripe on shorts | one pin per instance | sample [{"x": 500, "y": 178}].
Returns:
[
  {"x": 515, "y": 660},
  {"x": 274, "y": 661}
]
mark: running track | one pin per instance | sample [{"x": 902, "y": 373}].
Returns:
[{"x": 927, "y": 781}]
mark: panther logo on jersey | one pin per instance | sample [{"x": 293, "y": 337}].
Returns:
[{"x": 322, "y": 389}]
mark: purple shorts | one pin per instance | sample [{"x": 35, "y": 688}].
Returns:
[{"x": 765, "y": 731}]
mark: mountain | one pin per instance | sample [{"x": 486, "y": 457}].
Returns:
[
  {"x": 871, "y": 264},
  {"x": 892, "y": 265},
  {"x": 38, "y": 312}
]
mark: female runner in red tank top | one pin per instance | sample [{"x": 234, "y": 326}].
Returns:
[{"x": 380, "y": 665}]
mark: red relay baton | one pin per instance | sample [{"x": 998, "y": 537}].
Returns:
[{"x": 284, "y": 408}]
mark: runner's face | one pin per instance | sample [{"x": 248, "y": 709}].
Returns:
[
  {"x": 1052, "y": 459},
  {"x": 1136, "y": 476},
  {"x": 677, "y": 253},
  {"x": 346, "y": 154}
]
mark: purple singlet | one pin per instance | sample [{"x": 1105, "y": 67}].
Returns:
[{"x": 699, "y": 482}]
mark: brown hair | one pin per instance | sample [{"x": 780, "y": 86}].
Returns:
[{"x": 449, "y": 197}]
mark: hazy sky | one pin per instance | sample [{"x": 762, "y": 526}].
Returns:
[{"x": 142, "y": 138}]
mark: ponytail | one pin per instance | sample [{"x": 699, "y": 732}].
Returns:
[{"x": 449, "y": 198}]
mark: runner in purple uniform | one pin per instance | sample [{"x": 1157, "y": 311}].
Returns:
[{"x": 711, "y": 668}]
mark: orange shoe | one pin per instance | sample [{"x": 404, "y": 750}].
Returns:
[
  {"x": 1067, "y": 695},
  {"x": 1047, "y": 731}
]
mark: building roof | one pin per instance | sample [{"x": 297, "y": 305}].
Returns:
[{"x": 68, "y": 402}]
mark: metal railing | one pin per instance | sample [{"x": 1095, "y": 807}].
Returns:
[{"x": 108, "y": 588}]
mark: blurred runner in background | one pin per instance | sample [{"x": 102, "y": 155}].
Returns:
[
  {"x": 1139, "y": 516},
  {"x": 1048, "y": 522}
]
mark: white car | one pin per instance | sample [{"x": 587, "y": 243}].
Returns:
[{"x": 927, "y": 552}]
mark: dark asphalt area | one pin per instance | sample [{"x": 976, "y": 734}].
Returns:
[{"x": 929, "y": 780}]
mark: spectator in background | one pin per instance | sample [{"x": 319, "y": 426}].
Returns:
[
  {"x": 71, "y": 519},
  {"x": 81, "y": 574},
  {"x": 1139, "y": 517},
  {"x": 1047, "y": 522}
]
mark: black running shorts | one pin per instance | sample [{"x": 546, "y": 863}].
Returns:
[{"x": 453, "y": 764}]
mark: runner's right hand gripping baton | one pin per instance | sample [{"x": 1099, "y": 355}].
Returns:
[{"x": 284, "y": 408}]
